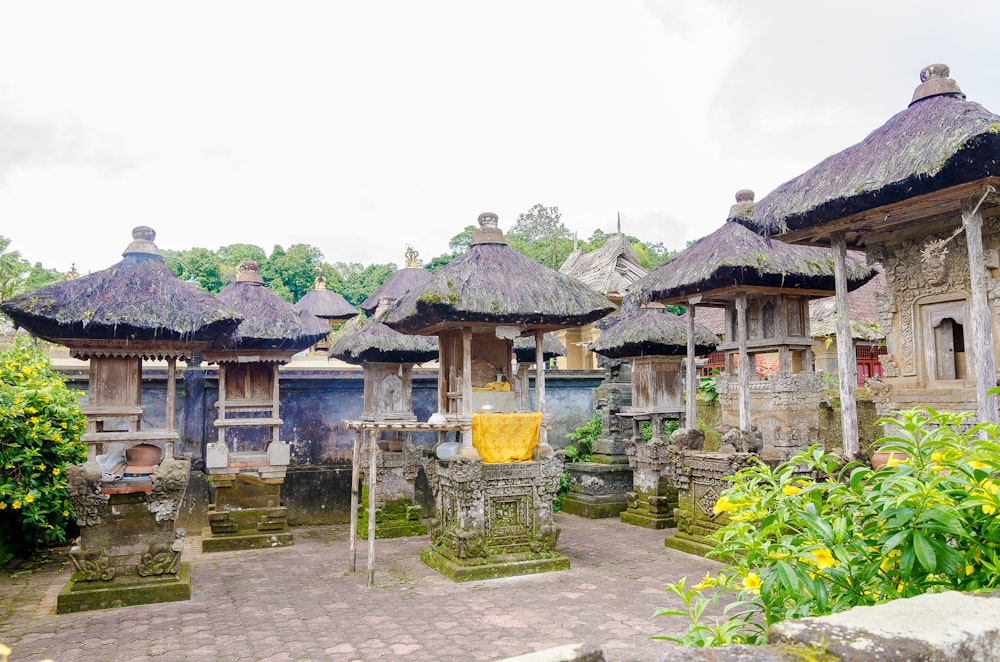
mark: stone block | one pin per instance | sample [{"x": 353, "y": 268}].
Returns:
[{"x": 216, "y": 456}]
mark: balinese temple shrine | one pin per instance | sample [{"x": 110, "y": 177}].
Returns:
[
  {"x": 388, "y": 358},
  {"x": 764, "y": 287},
  {"x": 411, "y": 277},
  {"x": 325, "y": 304},
  {"x": 127, "y": 495},
  {"x": 248, "y": 460},
  {"x": 655, "y": 342},
  {"x": 494, "y": 494}
]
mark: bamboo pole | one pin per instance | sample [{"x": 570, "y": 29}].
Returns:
[
  {"x": 691, "y": 412},
  {"x": 744, "y": 362},
  {"x": 543, "y": 437},
  {"x": 847, "y": 366},
  {"x": 982, "y": 328},
  {"x": 372, "y": 481},
  {"x": 355, "y": 497}
]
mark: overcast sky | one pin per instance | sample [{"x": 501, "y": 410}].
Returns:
[{"x": 363, "y": 127}]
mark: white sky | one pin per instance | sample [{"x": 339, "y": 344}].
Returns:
[{"x": 361, "y": 127}]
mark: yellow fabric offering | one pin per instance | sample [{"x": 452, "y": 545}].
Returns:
[
  {"x": 506, "y": 437},
  {"x": 493, "y": 386}
]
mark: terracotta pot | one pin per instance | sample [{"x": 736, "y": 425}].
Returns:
[
  {"x": 881, "y": 458},
  {"x": 143, "y": 455}
]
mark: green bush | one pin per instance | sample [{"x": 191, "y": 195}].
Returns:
[
  {"x": 579, "y": 450},
  {"x": 815, "y": 536},
  {"x": 40, "y": 427}
]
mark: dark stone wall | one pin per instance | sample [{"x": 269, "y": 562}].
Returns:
[{"x": 314, "y": 405}]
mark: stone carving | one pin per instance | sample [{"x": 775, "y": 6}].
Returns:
[
  {"x": 84, "y": 486},
  {"x": 92, "y": 564},
  {"x": 163, "y": 559},
  {"x": 741, "y": 441},
  {"x": 169, "y": 481},
  {"x": 689, "y": 439}
]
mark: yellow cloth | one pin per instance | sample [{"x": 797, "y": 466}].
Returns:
[
  {"x": 506, "y": 437},
  {"x": 493, "y": 386}
]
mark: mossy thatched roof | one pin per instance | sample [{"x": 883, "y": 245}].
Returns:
[
  {"x": 524, "y": 348},
  {"x": 937, "y": 142},
  {"x": 494, "y": 284},
  {"x": 609, "y": 270},
  {"x": 270, "y": 322},
  {"x": 138, "y": 298},
  {"x": 734, "y": 256},
  {"x": 653, "y": 331},
  {"x": 397, "y": 286},
  {"x": 326, "y": 304},
  {"x": 367, "y": 340}
]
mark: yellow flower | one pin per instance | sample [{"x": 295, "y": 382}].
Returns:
[
  {"x": 55, "y": 471},
  {"x": 969, "y": 570},
  {"x": 16, "y": 505},
  {"x": 704, "y": 583},
  {"x": 3, "y": 505},
  {"x": 752, "y": 583},
  {"x": 824, "y": 559},
  {"x": 4, "y": 652},
  {"x": 789, "y": 490},
  {"x": 65, "y": 513},
  {"x": 740, "y": 517},
  {"x": 778, "y": 555},
  {"x": 892, "y": 461},
  {"x": 989, "y": 509},
  {"x": 723, "y": 505},
  {"x": 29, "y": 498},
  {"x": 935, "y": 456}
]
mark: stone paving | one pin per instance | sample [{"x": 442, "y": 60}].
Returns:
[{"x": 299, "y": 603}]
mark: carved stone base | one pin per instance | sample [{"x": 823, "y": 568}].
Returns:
[
  {"x": 511, "y": 565},
  {"x": 400, "y": 518},
  {"x": 247, "y": 528},
  {"x": 597, "y": 490},
  {"x": 88, "y": 595},
  {"x": 689, "y": 544},
  {"x": 652, "y": 510}
]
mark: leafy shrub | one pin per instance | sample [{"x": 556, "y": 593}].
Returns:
[
  {"x": 40, "y": 427},
  {"x": 579, "y": 450},
  {"x": 708, "y": 390},
  {"x": 815, "y": 536}
]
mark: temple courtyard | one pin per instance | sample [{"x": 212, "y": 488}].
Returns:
[{"x": 299, "y": 603}]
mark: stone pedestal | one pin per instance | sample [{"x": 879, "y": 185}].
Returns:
[
  {"x": 701, "y": 478},
  {"x": 493, "y": 520},
  {"x": 129, "y": 552},
  {"x": 397, "y": 514},
  {"x": 598, "y": 488},
  {"x": 656, "y": 465}
]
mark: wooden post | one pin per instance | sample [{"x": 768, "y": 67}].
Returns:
[
  {"x": 982, "y": 328},
  {"x": 744, "y": 362},
  {"x": 355, "y": 497},
  {"x": 275, "y": 402},
  {"x": 221, "y": 403},
  {"x": 171, "y": 392},
  {"x": 847, "y": 367},
  {"x": 543, "y": 437},
  {"x": 372, "y": 481},
  {"x": 467, "y": 448},
  {"x": 691, "y": 409}
]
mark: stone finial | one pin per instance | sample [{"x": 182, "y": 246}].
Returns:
[
  {"x": 248, "y": 272},
  {"x": 143, "y": 237},
  {"x": 319, "y": 282},
  {"x": 488, "y": 232},
  {"x": 72, "y": 274},
  {"x": 743, "y": 209},
  {"x": 935, "y": 81},
  {"x": 411, "y": 257}
]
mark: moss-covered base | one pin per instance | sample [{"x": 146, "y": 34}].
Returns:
[
  {"x": 211, "y": 542},
  {"x": 591, "y": 507},
  {"x": 394, "y": 519},
  {"x": 493, "y": 567},
  {"x": 90, "y": 595},
  {"x": 639, "y": 517},
  {"x": 685, "y": 542}
]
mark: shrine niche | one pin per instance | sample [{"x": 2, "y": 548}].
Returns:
[
  {"x": 494, "y": 490},
  {"x": 128, "y": 493},
  {"x": 655, "y": 343},
  {"x": 764, "y": 287},
  {"x": 918, "y": 195},
  {"x": 248, "y": 460},
  {"x": 388, "y": 358}
]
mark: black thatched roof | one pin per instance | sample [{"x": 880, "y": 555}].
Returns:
[
  {"x": 653, "y": 331},
  {"x": 610, "y": 269},
  {"x": 327, "y": 304},
  {"x": 494, "y": 284},
  {"x": 366, "y": 340},
  {"x": 938, "y": 142},
  {"x": 136, "y": 299},
  {"x": 524, "y": 348},
  {"x": 269, "y": 322},
  {"x": 396, "y": 286},
  {"x": 734, "y": 256}
]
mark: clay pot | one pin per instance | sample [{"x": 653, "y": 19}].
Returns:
[
  {"x": 881, "y": 458},
  {"x": 143, "y": 455}
]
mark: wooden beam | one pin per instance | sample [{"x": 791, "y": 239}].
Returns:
[
  {"x": 982, "y": 328},
  {"x": 846, "y": 363}
]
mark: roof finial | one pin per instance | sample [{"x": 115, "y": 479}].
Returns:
[
  {"x": 72, "y": 274},
  {"x": 411, "y": 257},
  {"x": 319, "y": 283},
  {"x": 619, "y": 222},
  {"x": 248, "y": 272},
  {"x": 488, "y": 232},
  {"x": 743, "y": 209},
  {"x": 143, "y": 237},
  {"x": 934, "y": 81}
]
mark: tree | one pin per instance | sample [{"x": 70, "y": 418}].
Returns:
[
  {"x": 359, "y": 281},
  {"x": 460, "y": 242},
  {"x": 292, "y": 273},
  {"x": 39, "y": 276},
  {"x": 13, "y": 271},
  {"x": 196, "y": 264},
  {"x": 230, "y": 257},
  {"x": 536, "y": 234}
]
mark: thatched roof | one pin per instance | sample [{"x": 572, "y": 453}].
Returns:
[
  {"x": 524, "y": 348},
  {"x": 136, "y": 299},
  {"x": 862, "y": 304},
  {"x": 325, "y": 303},
  {"x": 653, "y": 331},
  {"x": 269, "y": 322},
  {"x": 734, "y": 256},
  {"x": 941, "y": 140},
  {"x": 610, "y": 269},
  {"x": 366, "y": 340},
  {"x": 404, "y": 281},
  {"x": 494, "y": 284}
]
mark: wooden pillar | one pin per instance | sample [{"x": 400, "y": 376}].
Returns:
[
  {"x": 691, "y": 410},
  {"x": 221, "y": 404},
  {"x": 275, "y": 401},
  {"x": 744, "y": 361},
  {"x": 543, "y": 437},
  {"x": 443, "y": 366},
  {"x": 171, "y": 392},
  {"x": 846, "y": 361},
  {"x": 467, "y": 448},
  {"x": 982, "y": 331}
]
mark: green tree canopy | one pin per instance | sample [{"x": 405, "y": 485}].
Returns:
[
  {"x": 359, "y": 281},
  {"x": 13, "y": 270},
  {"x": 292, "y": 273}
]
